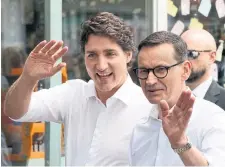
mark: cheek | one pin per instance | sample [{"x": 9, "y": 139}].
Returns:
[{"x": 142, "y": 83}]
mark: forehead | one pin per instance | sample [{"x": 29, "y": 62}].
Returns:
[
  {"x": 162, "y": 54},
  {"x": 99, "y": 43},
  {"x": 194, "y": 43}
]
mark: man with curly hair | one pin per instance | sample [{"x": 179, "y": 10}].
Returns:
[{"x": 98, "y": 116}]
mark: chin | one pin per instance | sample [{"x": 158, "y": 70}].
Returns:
[
  {"x": 105, "y": 87},
  {"x": 154, "y": 100}
]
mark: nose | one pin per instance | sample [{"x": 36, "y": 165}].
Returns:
[
  {"x": 152, "y": 79},
  {"x": 102, "y": 63}
]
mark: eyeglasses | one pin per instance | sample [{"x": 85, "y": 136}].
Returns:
[
  {"x": 193, "y": 54},
  {"x": 160, "y": 71}
]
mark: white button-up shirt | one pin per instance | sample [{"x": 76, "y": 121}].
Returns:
[
  {"x": 95, "y": 134},
  {"x": 206, "y": 131}
]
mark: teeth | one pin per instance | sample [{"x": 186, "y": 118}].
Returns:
[{"x": 103, "y": 75}]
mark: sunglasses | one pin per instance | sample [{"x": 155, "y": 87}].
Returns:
[{"x": 193, "y": 54}]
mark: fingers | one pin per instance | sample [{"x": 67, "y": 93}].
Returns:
[
  {"x": 48, "y": 46},
  {"x": 52, "y": 49},
  {"x": 60, "y": 53},
  {"x": 55, "y": 48},
  {"x": 39, "y": 46},
  {"x": 58, "y": 68},
  {"x": 187, "y": 117},
  {"x": 164, "y": 108},
  {"x": 183, "y": 99},
  {"x": 187, "y": 103}
]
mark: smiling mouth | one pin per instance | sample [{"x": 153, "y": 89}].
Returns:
[{"x": 104, "y": 75}]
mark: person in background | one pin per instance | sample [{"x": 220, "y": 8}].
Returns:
[
  {"x": 5, "y": 161},
  {"x": 202, "y": 54},
  {"x": 13, "y": 58},
  {"x": 181, "y": 129},
  {"x": 99, "y": 115}
]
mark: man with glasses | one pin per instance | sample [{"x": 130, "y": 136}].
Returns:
[
  {"x": 181, "y": 128},
  {"x": 202, "y": 54}
]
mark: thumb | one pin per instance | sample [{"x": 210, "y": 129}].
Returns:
[{"x": 164, "y": 108}]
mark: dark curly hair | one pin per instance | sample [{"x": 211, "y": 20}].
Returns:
[
  {"x": 162, "y": 37},
  {"x": 109, "y": 25}
]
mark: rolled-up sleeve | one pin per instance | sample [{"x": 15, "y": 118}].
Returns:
[{"x": 50, "y": 104}]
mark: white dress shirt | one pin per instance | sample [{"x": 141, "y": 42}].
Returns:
[
  {"x": 206, "y": 131},
  {"x": 95, "y": 134},
  {"x": 201, "y": 89}
]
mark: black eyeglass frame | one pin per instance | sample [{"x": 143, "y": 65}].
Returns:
[
  {"x": 195, "y": 55},
  {"x": 135, "y": 70}
]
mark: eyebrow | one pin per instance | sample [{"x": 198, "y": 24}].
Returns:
[
  {"x": 161, "y": 65},
  {"x": 106, "y": 50}
]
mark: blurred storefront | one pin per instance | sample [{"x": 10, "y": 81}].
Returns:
[
  {"x": 27, "y": 22},
  {"x": 205, "y": 14}
]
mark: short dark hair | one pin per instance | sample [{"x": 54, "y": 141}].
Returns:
[
  {"x": 162, "y": 37},
  {"x": 109, "y": 25}
]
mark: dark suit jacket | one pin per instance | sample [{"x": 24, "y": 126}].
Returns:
[{"x": 216, "y": 94}]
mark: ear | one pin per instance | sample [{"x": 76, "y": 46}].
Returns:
[
  {"x": 186, "y": 70},
  {"x": 129, "y": 56},
  {"x": 212, "y": 57}
]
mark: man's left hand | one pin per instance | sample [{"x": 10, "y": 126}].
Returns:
[{"x": 175, "y": 120}]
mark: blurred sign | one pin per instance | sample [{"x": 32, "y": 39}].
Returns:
[
  {"x": 195, "y": 24},
  {"x": 205, "y": 7},
  {"x": 220, "y": 8},
  {"x": 171, "y": 8},
  {"x": 219, "y": 51},
  {"x": 185, "y": 7},
  {"x": 178, "y": 27}
]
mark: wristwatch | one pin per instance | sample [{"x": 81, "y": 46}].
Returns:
[{"x": 182, "y": 149}]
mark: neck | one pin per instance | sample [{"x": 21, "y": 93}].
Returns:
[
  {"x": 104, "y": 96},
  {"x": 195, "y": 84}
]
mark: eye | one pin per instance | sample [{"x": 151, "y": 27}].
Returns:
[
  {"x": 142, "y": 70},
  {"x": 91, "y": 55},
  {"x": 160, "y": 70},
  {"x": 111, "y": 54}
]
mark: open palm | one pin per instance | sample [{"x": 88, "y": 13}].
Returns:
[
  {"x": 175, "y": 120},
  {"x": 41, "y": 61}
]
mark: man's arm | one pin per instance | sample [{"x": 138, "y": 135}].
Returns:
[
  {"x": 18, "y": 97},
  {"x": 193, "y": 157},
  {"x": 40, "y": 64},
  {"x": 175, "y": 122}
]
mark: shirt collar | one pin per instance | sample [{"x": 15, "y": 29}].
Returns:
[
  {"x": 201, "y": 89},
  {"x": 154, "y": 113},
  {"x": 122, "y": 93}
]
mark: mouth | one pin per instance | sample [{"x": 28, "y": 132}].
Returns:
[
  {"x": 104, "y": 76},
  {"x": 154, "y": 91}
]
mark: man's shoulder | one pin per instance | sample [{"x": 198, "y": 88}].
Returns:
[
  {"x": 69, "y": 88},
  {"x": 207, "y": 108},
  {"x": 217, "y": 86},
  {"x": 76, "y": 82}
]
